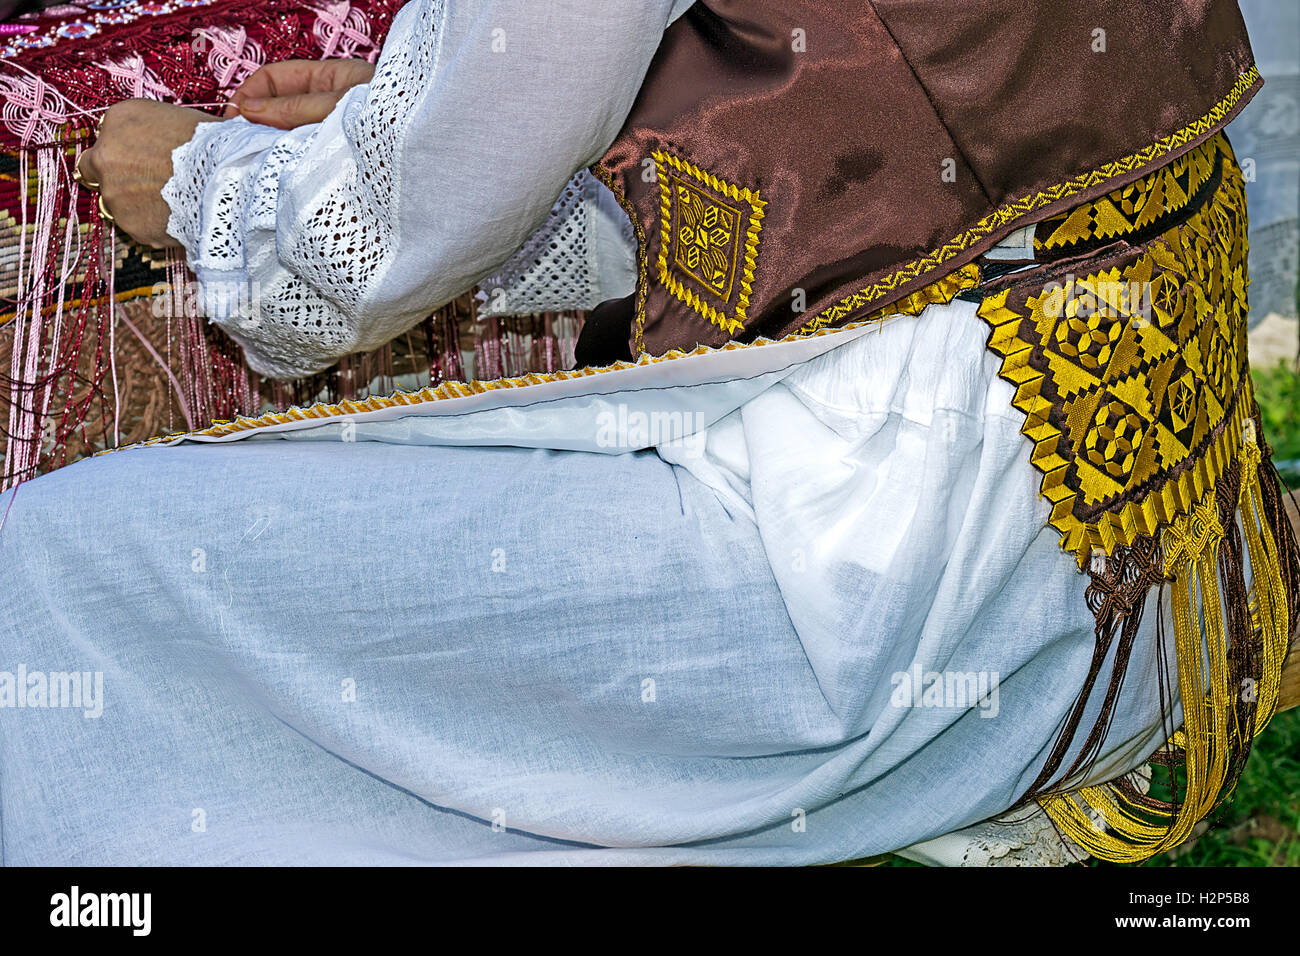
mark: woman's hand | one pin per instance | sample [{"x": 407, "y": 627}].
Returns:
[
  {"x": 293, "y": 93},
  {"x": 131, "y": 161}
]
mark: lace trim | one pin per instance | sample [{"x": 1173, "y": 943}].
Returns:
[
  {"x": 266, "y": 184},
  {"x": 1023, "y": 837},
  {"x": 293, "y": 331},
  {"x": 193, "y": 163},
  {"x": 354, "y": 223},
  {"x": 307, "y": 303},
  {"x": 556, "y": 268},
  {"x": 221, "y": 247}
]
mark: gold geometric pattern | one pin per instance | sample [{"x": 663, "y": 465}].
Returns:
[
  {"x": 940, "y": 292},
  {"x": 1129, "y": 209},
  {"x": 706, "y": 238},
  {"x": 1132, "y": 378},
  {"x": 708, "y": 243}
]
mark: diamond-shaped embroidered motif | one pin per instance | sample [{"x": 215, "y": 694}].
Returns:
[
  {"x": 707, "y": 238},
  {"x": 708, "y": 243}
]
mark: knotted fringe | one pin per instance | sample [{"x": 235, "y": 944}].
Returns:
[
  {"x": 59, "y": 341},
  {"x": 94, "y": 372},
  {"x": 1230, "y": 641},
  {"x": 87, "y": 368},
  {"x": 1116, "y": 597},
  {"x": 454, "y": 344}
]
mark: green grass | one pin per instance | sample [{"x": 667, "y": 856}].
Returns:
[
  {"x": 1259, "y": 823},
  {"x": 1277, "y": 389}
]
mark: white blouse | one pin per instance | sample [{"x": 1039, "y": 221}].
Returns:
[{"x": 464, "y": 156}]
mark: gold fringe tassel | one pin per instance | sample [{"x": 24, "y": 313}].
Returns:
[{"x": 1113, "y": 821}]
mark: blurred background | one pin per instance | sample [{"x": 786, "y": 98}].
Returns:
[{"x": 1266, "y": 137}]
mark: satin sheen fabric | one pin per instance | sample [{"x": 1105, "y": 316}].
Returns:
[{"x": 847, "y": 139}]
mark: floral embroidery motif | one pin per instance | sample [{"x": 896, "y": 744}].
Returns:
[
  {"x": 343, "y": 31},
  {"x": 708, "y": 243}
]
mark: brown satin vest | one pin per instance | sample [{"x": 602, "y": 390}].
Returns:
[{"x": 796, "y": 164}]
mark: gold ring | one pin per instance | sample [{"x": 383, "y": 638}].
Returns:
[
  {"x": 79, "y": 179},
  {"x": 104, "y": 213}
]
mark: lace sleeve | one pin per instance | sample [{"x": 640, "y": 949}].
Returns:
[
  {"x": 335, "y": 237},
  {"x": 583, "y": 254}
]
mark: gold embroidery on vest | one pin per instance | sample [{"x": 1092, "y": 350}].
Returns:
[
  {"x": 708, "y": 241},
  {"x": 1001, "y": 220},
  {"x": 1131, "y": 377},
  {"x": 1136, "y": 206},
  {"x": 940, "y": 292}
]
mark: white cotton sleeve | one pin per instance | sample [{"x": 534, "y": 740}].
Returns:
[{"x": 333, "y": 238}]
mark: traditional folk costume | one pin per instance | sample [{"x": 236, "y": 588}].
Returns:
[{"x": 910, "y": 476}]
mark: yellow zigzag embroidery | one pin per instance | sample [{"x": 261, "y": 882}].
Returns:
[
  {"x": 700, "y": 240},
  {"x": 1010, "y": 212}
]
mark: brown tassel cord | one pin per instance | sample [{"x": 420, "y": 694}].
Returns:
[
  {"x": 1117, "y": 595},
  {"x": 1228, "y": 697}
]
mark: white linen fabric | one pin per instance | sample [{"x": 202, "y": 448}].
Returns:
[{"x": 505, "y": 654}]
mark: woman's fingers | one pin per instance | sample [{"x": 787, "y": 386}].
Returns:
[
  {"x": 288, "y": 78},
  {"x": 341, "y": 75},
  {"x": 289, "y": 112},
  {"x": 88, "y": 164},
  {"x": 131, "y": 161},
  {"x": 285, "y": 78}
]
